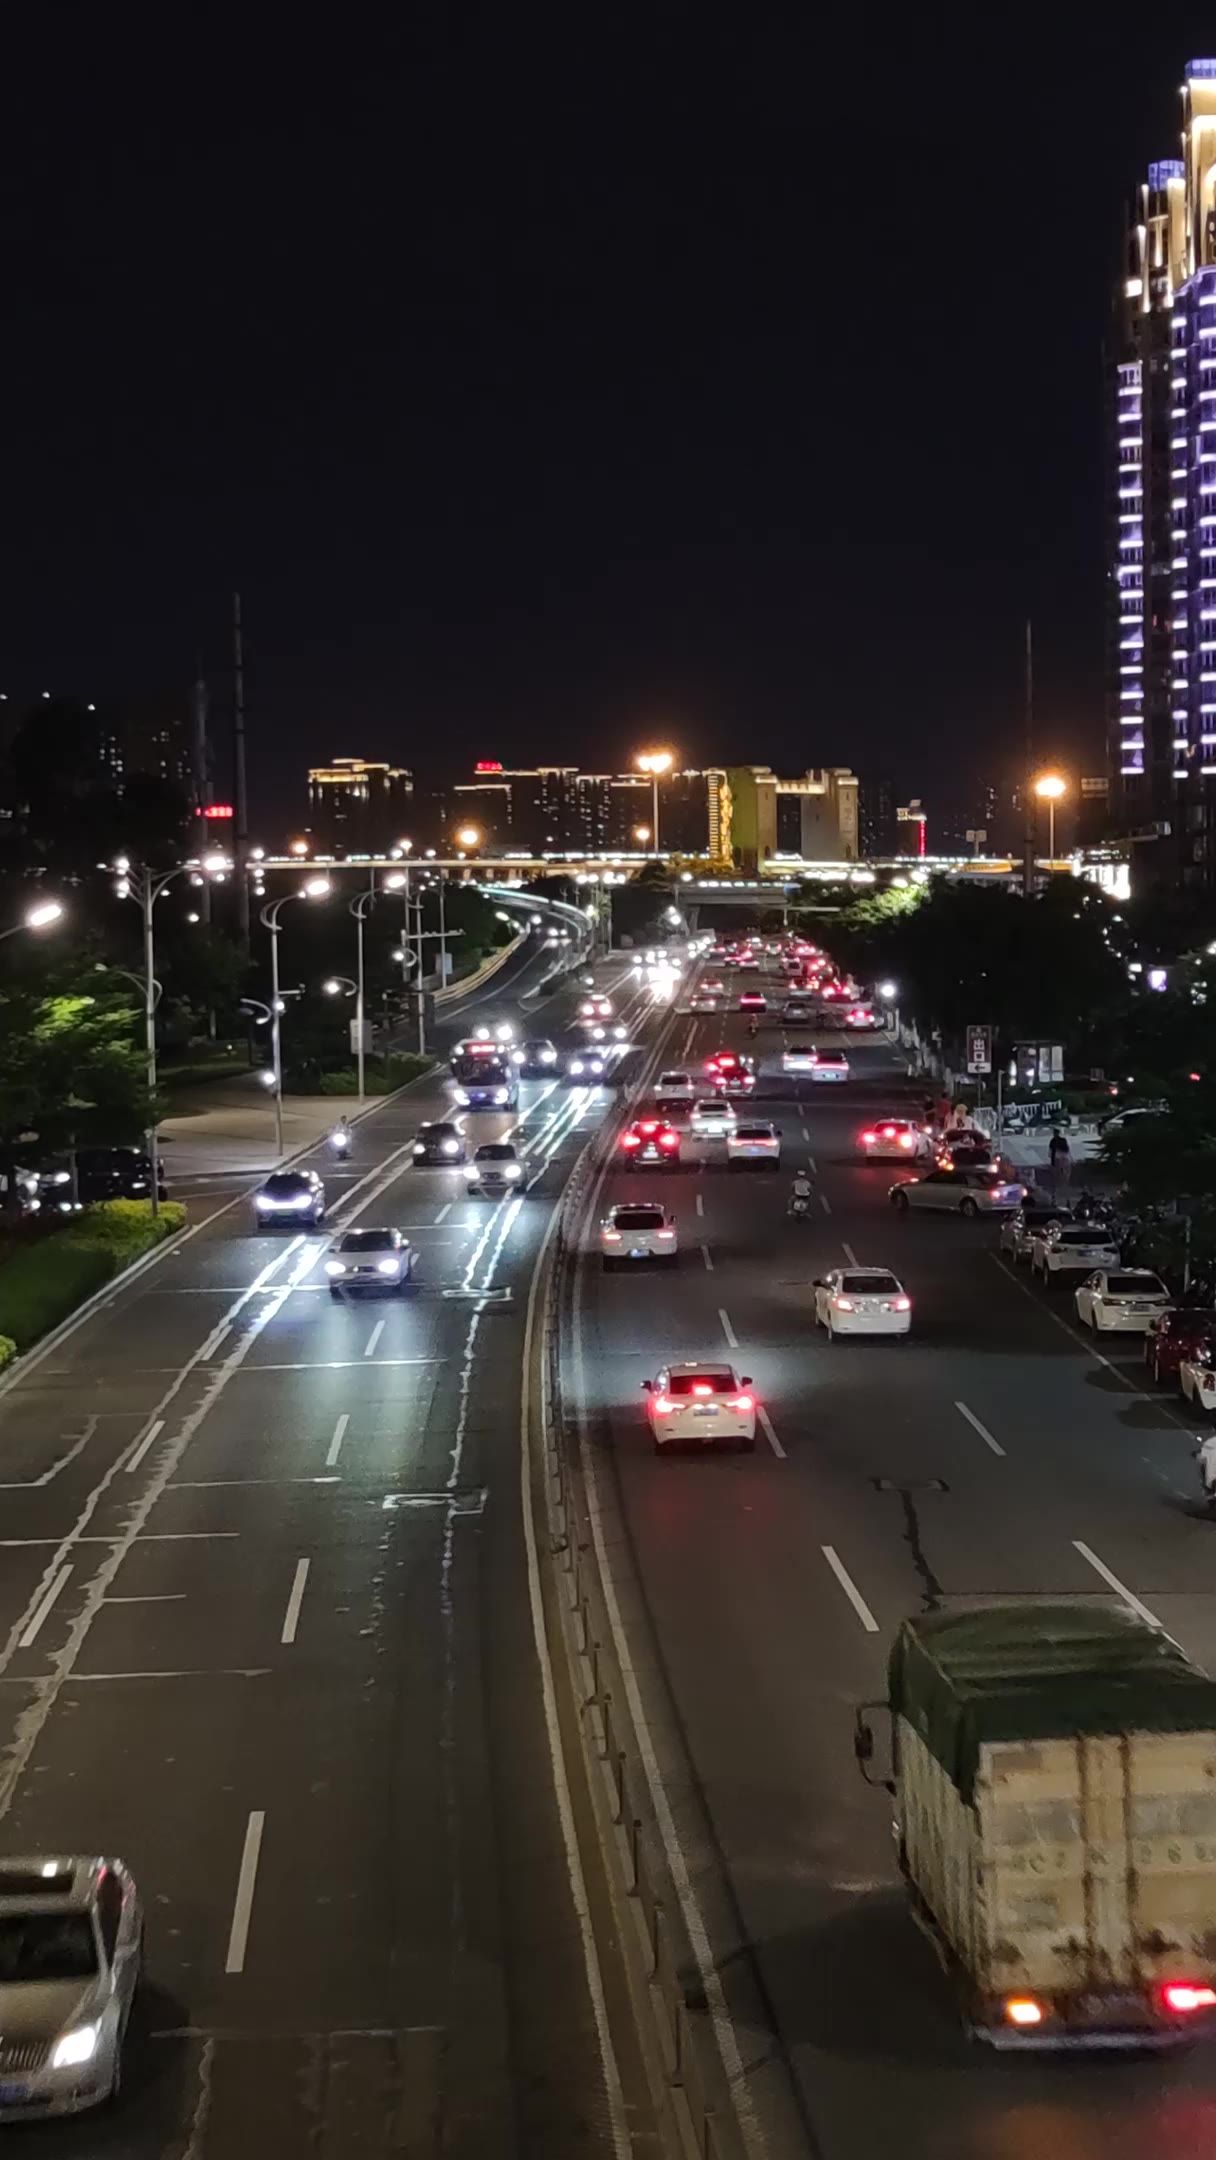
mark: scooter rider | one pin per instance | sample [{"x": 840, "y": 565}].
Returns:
[
  {"x": 339, "y": 1138},
  {"x": 802, "y": 1192}
]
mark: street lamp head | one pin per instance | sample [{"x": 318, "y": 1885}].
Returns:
[
  {"x": 404, "y": 847},
  {"x": 468, "y": 836},
  {"x": 298, "y": 847},
  {"x": 47, "y": 911},
  {"x": 122, "y": 864},
  {"x": 1050, "y": 787},
  {"x": 886, "y": 990},
  {"x": 395, "y": 881},
  {"x": 266, "y": 1076},
  {"x": 257, "y": 854},
  {"x": 315, "y": 889},
  {"x": 641, "y": 834},
  {"x": 216, "y": 863},
  {"x": 333, "y": 987},
  {"x": 654, "y": 761}
]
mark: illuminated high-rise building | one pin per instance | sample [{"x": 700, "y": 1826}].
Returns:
[{"x": 1161, "y": 644}]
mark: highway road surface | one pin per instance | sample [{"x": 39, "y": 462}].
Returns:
[
  {"x": 995, "y": 1454},
  {"x": 265, "y": 1631}
]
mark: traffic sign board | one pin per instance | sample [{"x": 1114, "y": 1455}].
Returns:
[{"x": 979, "y": 1049}]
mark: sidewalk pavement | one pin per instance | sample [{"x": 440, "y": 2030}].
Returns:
[{"x": 226, "y": 1129}]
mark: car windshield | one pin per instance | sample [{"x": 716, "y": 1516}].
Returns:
[
  {"x": 870, "y": 1285},
  {"x": 715, "y": 1382},
  {"x": 1136, "y": 1286},
  {"x": 1033, "y": 1216},
  {"x": 496, "y": 1151},
  {"x": 285, "y": 1184},
  {"x": 367, "y": 1241},
  {"x": 38, "y": 1947},
  {"x": 638, "y": 1218}
]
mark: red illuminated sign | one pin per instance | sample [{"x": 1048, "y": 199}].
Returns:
[
  {"x": 217, "y": 810},
  {"x": 488, "y": 765}
]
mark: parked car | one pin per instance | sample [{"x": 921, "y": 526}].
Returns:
[
  {"x": 1121, "y": 1300},
  {"x": 1182, "y": 1331},
  {"x": 1033, "y": 1215}
]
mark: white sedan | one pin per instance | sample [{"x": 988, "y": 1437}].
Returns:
[
  {"x": 830, "y": 1065},
  {"x": 1124, "y": 1301},
  {"x": 754, "y": 1140},
  {"x": 1072, "y": 1249},
  {"x": 638, "y": 1230},
  {"x": 1198, "y": 1380},
  {"x": 798, "y": 1057},
  {"x": 702, "y": 1404},
  {"x": 675, "y": 1087},
  {"x": 704, "y": 1001},
  {"x": 862, "y": 1301},
  {"x": 893, "y": 1139},
  {"x": 712, "y": 1117}
]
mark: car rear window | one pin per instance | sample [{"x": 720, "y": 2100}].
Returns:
[
  {"x": 718, "y": 1383},
  {"x": 831, "y": 1057},
  {"x": 368, "y": 1241},
  {"x": 638, "y": 1218},
  {"x": 754, "y": 1132},
  {"x": 870, "y": 1285},
  {"x": 1084, "y": 1234},
  {"x": 1136, "y": 1285},
  {"x": 673, "y": 1079}
]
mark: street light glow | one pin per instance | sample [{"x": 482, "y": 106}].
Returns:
[
  {"x": 1051, "y": 787},
  {"x": 468, "y": 836},
  {"x": 47, "y": 911},
  {"x": 641, "y": 834},
  {"x": 654, "y": 761},
  {"x": 395, "y": 881},
  {"x": 315, "y": 889},
  {"x": 298, "y": 847}
]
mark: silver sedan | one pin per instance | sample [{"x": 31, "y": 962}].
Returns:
[
  {"x": 957, "y": 1192},
  {"x": 71, "y": 1942}
]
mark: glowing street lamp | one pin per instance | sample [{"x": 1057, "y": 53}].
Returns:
[
  {"x": 641, "y": 834},
  {"x": 1050, "y": 789},
  {"x": 468, "y": 836},
  {"x": 654, "y": 762},
  {"x": 36, "y": 918}
]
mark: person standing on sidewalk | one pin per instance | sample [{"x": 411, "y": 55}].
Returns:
[{"x": 1059, "y": 1158}]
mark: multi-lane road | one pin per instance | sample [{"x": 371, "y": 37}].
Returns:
[
  {"x": 265, "y": 1630},
  {"x": 995, "y": 1454}
]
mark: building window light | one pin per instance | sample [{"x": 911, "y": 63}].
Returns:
[{"x": 1178, "y": 502}]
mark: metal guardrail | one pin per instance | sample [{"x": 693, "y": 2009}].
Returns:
[{"x": 698, "y": 2102}]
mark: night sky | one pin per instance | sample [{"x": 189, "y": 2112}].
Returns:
[{"x": 547, "y": 383}]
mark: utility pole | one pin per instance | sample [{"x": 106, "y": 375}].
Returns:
[
  {"x": 238, "y": 770},
  {"x": 1028, "y": 795}
]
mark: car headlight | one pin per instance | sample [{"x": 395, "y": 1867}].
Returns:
[
  {"x": 388, "y": 1267},
  {"x": 335, "y": 1267},
  {"x": 77, "y": 2046},
  {"x": 501, "y": 1095},
  {"x": 420, "y": 1147},
  {"x": 575, "y": 1065},
  {"x": 451, "y": 1147},
  {"x": 462, "y": 1096},
  {"x": 513, "y": 1169},
  {"x": 548, "y": 1057}
]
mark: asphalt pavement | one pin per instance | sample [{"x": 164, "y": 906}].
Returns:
[
  {"x": 265, "y": 1632},
  {"x": 996, "y": 1453}
]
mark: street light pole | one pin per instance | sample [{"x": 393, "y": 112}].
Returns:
[
  {"x": 145, "y": 887},
  {"x": 315, "y": 889},
  {"x": 359, "y": 907}
]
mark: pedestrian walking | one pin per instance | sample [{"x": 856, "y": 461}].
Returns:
[{"x": 1059, "y": 1159}]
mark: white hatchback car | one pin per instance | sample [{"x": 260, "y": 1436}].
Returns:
[
  {"x": 829, "y": 1065},
  {"x": 705, "y": 1405},
  {"x": 1125, "y": 1300},
  {"x": 862, "y": 1301},
  {"x": 1070, "y": 1248},
  {"x": 675, "y": 1087},
  {"x": 712, "y": 1117},
  {"x": 638, "y": 1230},
  {"x": 1197, "y": 1379},
  {"x": 754, "y": 1140}
]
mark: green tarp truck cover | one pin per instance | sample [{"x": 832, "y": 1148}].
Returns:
[{"x": 1039, "y": 1672}]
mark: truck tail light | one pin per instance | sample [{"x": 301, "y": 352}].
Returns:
[
  {"x": 901, "y": 1304},
  {"x": 1023, "y": 2010},
  {"x": 1182, "y": 1997}
]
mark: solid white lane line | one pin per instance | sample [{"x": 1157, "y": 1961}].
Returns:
[
  {"x": 1112, "y": 1581},
  {"x": 134, "y": 1461},
  {"x": 238, "y": 1935},
  {"x": 40, "y": 1611},
  {"x": 700, "y": 1203},
  {"x": 373, "y": 1339},
  {"x": 291, "y": 1617},
  {"x": 444, "y": 1211},
  {"x": 981, "y": 1429},
  {"x": 825, "y": 1203},
  {"x": 708, "y": 1258},
  {"x": 335, "y": 1445},
  {"x": 850, "y": 1589},
  {"x": 769, "y": 1434},
  {"x": 727, "y": 1329},
  {"x": 850, "y": 1255}
]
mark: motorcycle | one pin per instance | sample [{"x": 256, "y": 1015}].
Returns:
[
  {"x": 799, "y": 1204},
  {"x": 339, "y": 1140}
]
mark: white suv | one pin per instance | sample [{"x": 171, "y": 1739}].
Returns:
[
  {"x": 638, "y": 1230},
  {"x": 702, "y": 1404},
  {"x": 675, "y": 1087},
  {"x": 1070, "y": 1248},
  {"x": 712, "y": 1117}
]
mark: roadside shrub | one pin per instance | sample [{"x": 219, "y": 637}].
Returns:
[{"x": 41, "y": 1287}]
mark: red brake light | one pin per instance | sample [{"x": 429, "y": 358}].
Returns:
[
  {"x": 1023, "y": 2010},
  {"x": 613, "y": 1234},
  {"x": 700, "y": 1387},
  {"x": 905, "y": 1139},
  {"x": 743, "y": 1402},
  {"x": 649, "y": 1125},
  {"x": 901, "y": 1304},
  {"x": 630, "y": 1140},
  {"x": 667, "y": 1233},
  {"x": 669, "y": 1139},
  {"x": 663, "y": 1404},
  {"x": 868, "y": 1139},
  {"x": 1185, "y": 1996}
]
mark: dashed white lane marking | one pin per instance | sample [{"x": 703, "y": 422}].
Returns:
[
  {"x": 980, "y": 1428},
  {"x": 806, "y": 1134},
  {"x": 769, "y": 1434},
  {"x": 42, "y": 1609},
  {"x": 825, "y": 1203},
  {"x": 373, "y": 1339},
  {"x": 1112, "y": 1581},
  {"x": 157, "y": 1426},
  {"x": 335, "y": 1445},
  {"x": 727, "y": 1329},
  {"x": 238, "y": 1937},
  {"x": 811, "y": 1163},
  {"x": 700, "y": 1203},
  {"x": 850, "y": 1255},
  {"x": 850, "y": 1589},
  {"x": 291, "y": 1618},
  {"x": 708, "y": 1258},
  {"x": 444, "y": 1212}
]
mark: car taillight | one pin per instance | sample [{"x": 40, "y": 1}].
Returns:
[
  {"x": 901, "y": 1304},
  {"x": 905, "y": 1139},
  {"x": 843, "y": 1304},
  {"x": 1182, "y": 1997},
  {"x": 1023, "y": 2010},
  {"x": 667, "y": 1233},
  {"x": 699, "y": 1388},
  {"x": 669, "y": 1139},
  {"x": 630, "y": 1140},
  {"x": 663, "y": 1404},
  {"x": 868, "y": 1139},
  {"x": 743, "y": 1402},
  {"x": 613, "y": 1236}
]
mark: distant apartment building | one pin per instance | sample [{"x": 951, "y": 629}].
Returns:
[
  {"x": 876, "y": 818},
  {"x": 814, "y": 817},
  {"x": 359, "y": 808},
  {"x": 560, "y": 810},
  {"x": 911, "y": 827}
]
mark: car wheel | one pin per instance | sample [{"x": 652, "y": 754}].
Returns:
[
  {"x": 335, "y": 1294},
  {"x": 899, "y": 1200},
  {"x": 968, "y": 1208}
]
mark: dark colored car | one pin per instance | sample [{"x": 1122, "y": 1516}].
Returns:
[
  {"x": 102, "y": 1173},
  {"x": 652, "y": 1140},
  {"x": 438, "y": 1142},
  {"x": 290, "y": 1196},
  {"x": 1176, "y": 1334},
  {"x": 535, "y": 1057}
]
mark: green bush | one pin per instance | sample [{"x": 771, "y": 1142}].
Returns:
[
  {"x": 381, "y": 1077},
  {"x": 8, "y": 1351},
  {"x": 42, "y": 1286}
]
